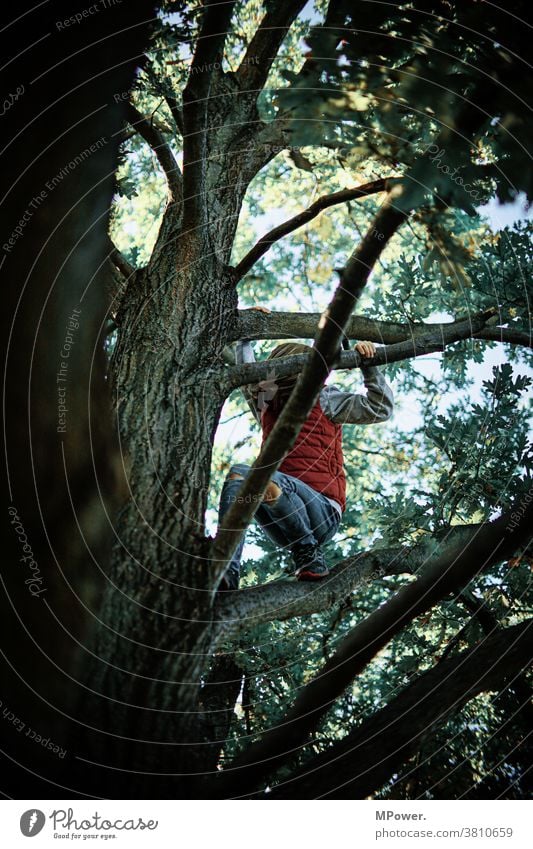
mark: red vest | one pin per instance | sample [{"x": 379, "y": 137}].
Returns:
[{"x": 316, "y": 457}]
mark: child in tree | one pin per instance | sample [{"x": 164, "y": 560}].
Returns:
[{"x": 304, "y": 501}]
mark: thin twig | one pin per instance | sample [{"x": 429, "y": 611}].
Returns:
[{"x": 324, "y": 202}]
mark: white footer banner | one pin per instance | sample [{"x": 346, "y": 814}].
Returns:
[{"x": 313, "y": 824}]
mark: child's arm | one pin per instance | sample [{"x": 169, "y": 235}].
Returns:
[
  {"x": 244, "y": 353},
  {"x": 353, "y": 407}
]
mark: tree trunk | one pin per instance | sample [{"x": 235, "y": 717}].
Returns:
[
  {"x": 175, "y": 318},
  {"x": 159, "y": 590}
]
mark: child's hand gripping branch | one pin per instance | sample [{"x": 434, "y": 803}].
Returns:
[
  {"x": 303, "y": 504},
  {"x": 366, "y": 349}
]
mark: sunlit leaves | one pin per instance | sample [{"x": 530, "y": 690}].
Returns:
[
  {"x": 485, "y": 445},
  {"x": 424, "y": 78}
]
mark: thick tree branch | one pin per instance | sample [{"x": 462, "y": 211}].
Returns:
[
  {"x": 469, "y": 553},
  {"x": 363, "y": 761},
  {"x": 245, "y": 373},
  {"x": 207, "y": 57},
  {"x": 240, "y": 375},
  {"x": 266, "y": 41},
  {"x": 506, "y": 334},
  {"x": 160, "y": 147},
  {"x": 324, "y": 202},
  {"x": 281, "y": 600},
  {"x": 253, "y": 324},
  {"x": 171, "y": 216},
  {"x": 315, "y": 371}
]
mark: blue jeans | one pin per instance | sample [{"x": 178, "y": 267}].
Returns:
[{"x": 300, "y": 514}]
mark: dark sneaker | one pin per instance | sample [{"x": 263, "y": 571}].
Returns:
[{"x": 309, "y": 562}]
